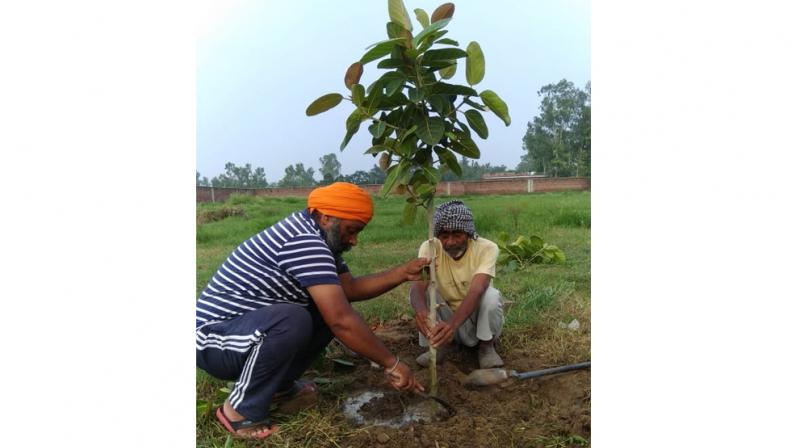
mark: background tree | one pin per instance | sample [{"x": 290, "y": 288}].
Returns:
[
  {"x": 329, "y": 168},
  {"x": 558, "y": 140},
  {"x": 240, "y": 177},
  {"x": 297, "y": 176},
  {"x": 360, "y": 177},
  {"x": 472, "y": 170},
  {"x": 202, "y": 182},
  {"x": 376, "y": 175},
  {"x": 414, "y": 115}
]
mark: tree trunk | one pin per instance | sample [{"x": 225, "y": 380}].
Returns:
[{"x": 434, "y": 387}]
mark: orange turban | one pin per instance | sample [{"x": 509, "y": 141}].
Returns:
[{"x": 342, "y": 200}]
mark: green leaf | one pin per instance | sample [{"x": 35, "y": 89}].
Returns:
[
  {"x": 394, "y": 82},
  {"x": 475, "y": 63},
  {"x": 437, "y": 65},
  {"x": 377, "y": 129},
  {"x": 323, "y": 103},
  {"x": 502, "y": 237},
  {"x": 415, "y": 95},
  {"x": 430, "y": 129},
  {"x": 357, "y": 91},
  {"x": 399, "y": 15},
  {"x": 408, "y": 132},
  {"x": 380, "y": 50},
  {"x": 452, "y": 89},
  {"x": 422, "y": 17},
  {"x": 448, "y": 72},
  {"x": 391, "y": 63},
  {"x": 443, "y": 54},
  {"x": 392, "y": 174},
  {"x": 476, "y": 105},
  {"x": 496, "y": 105},
  {"x": 476, "y": 122},
  {"x": 392, "y": 102},
  {"x": 439, "y": 103},
  {"x": 373, "y": 100},
  {"x": 377, "y": 149},
  {"x": 447, "y": 157},
  {"x": 463, "y": 144},
  {"x": 228, "y": 441},
  {"x": 352, "y": 124},
  {"x": 409, "y": 213},
  {"x": 433, "y": 176},
  {"x": 425, "y": 189},
  {"x": 429, "y": 30},
  {"x": 394, "y": 30},
  {"x": 447, "y": 41}
]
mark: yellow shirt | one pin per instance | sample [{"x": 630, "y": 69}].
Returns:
[{"x": 454, "y": 276}]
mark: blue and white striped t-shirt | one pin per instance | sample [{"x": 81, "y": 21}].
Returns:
[{"x": 274, "y": 266}]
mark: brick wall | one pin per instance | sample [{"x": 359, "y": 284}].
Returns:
[{"x": 457, "y": 188}]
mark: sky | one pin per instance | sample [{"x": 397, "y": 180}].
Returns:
[{"x": 261, "y": 63}]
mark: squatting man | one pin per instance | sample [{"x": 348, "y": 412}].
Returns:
[
  {"x": 469, "y": 310},
  {"x": 280, "y": 298}
]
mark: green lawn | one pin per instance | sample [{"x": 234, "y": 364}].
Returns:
[{"x": 555, "y": 292}]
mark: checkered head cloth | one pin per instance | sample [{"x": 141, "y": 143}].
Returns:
[{"x": 451, "y": 216}]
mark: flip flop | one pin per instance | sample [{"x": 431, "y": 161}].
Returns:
[
  {"x": 233, "y": 427},
  {"x": 301, "y": 396}
]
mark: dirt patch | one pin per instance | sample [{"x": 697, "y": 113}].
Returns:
[{"x": 549, "y": 411}]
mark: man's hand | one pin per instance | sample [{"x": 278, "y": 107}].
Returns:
[
  {"x": 413, "y": 269},
  {"x": 421, "y": 319},
  {"x": 402, "y": 378},
  {"x": 442, "y": 334}
]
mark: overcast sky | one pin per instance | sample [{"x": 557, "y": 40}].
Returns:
[{"x": 260, "y": 63}]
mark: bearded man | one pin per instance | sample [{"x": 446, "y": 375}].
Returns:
[
  {"x": 469, "y": 309},
  {"x": 279, "y": 299}
]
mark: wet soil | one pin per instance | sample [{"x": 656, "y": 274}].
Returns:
[{"x": 516, "y": 413}]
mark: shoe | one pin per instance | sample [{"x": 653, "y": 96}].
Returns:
[
  {"x": 440, "y": 354},
  {"x": 488, "y": 357}
]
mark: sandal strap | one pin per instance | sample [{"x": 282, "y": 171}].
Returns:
[
  {"x": 242, "y": 424},
  {"x": 247, "y": 424}
]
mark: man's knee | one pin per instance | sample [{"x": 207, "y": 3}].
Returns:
[
  {"x": 293, "y": 324},
  {"x": 492, "y": 300}
]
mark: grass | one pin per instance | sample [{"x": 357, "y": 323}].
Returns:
[{"x": 540, "y": 296}]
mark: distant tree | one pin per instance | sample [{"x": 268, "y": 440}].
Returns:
[
  {"x": 297, "y": 176},
  {"x": 329, "y": 168},
  {"x": 360, "y": 177},
  {"x": 202, "y": 182},
  {"x": 472, "y": 170},
  {"x": 240, "y": 177},
  {"x": 376, "y": 175},
  {"x": 558, "y": 140}
]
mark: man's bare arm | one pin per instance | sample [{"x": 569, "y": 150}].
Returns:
[
  {"x": 444, "y": 331},
  {"x": 348, "y": 326},
  {"x": 369, "y": 286}
]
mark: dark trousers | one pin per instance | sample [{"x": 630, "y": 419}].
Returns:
[{"x": 265, "y": 351}]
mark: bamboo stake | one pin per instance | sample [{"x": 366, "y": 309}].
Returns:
[{"x": 434, "y": 386}]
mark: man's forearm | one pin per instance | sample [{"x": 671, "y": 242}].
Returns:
[
  {"x": 373, "y": 285},
  {"x": 472, "y": 300},
  {"x": 354, "y": 333},
  {"x": 417, "y": 296}
]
